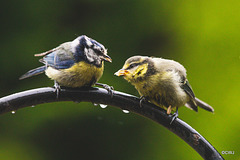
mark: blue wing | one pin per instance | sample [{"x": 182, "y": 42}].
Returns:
[{"x": 59, "y": 59}]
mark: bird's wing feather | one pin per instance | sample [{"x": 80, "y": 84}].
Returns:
[
  {"x": 59, "y": 59},
  {"x": 192, "y": 106},
  {"x": 187, "y": 88},
  {"x": 45, "y": 53}
]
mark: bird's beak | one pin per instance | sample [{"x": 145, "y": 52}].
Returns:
[
  {"x": 121, "y": 72},
  {"x": 106, "y": 58}
]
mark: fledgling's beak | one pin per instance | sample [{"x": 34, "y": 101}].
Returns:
[
  {"x": 106, "y": 58},
  {"x": 121, "y": 72}
]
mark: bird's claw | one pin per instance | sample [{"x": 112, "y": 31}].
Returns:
[
  {"x": 174, "y": 116},
  {"x": 110, "y": 89},
  {"x": 142, "y": 99},
  {"x": 57, "y": 88}
]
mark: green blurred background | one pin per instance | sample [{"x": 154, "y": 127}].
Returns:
[{"x": 202, "y": 35}]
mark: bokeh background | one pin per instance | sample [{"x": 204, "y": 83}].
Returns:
[{"x": 202, "y": 35}]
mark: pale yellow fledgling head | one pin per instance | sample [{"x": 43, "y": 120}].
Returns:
[{"x": 134, "y": 69}]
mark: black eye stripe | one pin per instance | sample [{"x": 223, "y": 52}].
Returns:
[
  {"x": 136, "y": 64},
  {"x": 132, "y": 65}
]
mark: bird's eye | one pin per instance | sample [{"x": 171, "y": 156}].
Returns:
[
  {"x": 132, "y": 65},
  {"x": 102, "y": 50}
]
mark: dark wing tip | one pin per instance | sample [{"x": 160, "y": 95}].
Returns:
[
  {"x": 22, "y": 77},
  {"x": 187, "y": 88},
  {"x": 192, "y": 106},
  {"x": 33, "y": 72},
  {"x": 204, "y": 105}
]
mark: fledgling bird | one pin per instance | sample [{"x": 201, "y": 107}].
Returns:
[
  {"x": 161, "y": 81},
  {"x": 73, "y": 64}
]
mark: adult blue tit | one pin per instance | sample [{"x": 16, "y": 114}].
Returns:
[
  {"x": 73, "y": 64},
  {"x": 163, "y": 82}
]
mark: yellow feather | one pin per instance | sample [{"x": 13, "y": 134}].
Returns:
[
  {"x": 80, "y": 74},
  {"x": 141, "y": 70}
]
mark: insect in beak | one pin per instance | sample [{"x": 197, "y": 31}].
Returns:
[{"x": 121, "y": 72}]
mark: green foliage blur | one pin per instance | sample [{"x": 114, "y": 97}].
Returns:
[{"x": 203, "y": 35}]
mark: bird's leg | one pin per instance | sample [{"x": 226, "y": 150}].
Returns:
[
  {"x": 107, "y": 87},
  {"x": 174, "y": 116},
  {"x": 57, "y": 88},
  {"x": 142, "y": 98},
  {"x": 169, "y": 109}
]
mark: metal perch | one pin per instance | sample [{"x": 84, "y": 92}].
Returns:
[{"x": 118, "y": 99}]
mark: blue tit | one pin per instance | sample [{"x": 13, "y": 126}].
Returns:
[
  {"x": 161, "y": 81},
  {"x": 73, "y": 64}
]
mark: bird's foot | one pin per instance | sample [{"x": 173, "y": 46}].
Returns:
[
  {"x": 142, "y": 99},
  {"x": 174, "y": 116},
  {"x": 110, "y": 89},
  {"x": 57, "y": 88}
]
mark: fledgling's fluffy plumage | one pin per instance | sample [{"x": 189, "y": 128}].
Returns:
[
  {"x": 73, "y": 64},
  {"x": 162, "y": 82}
]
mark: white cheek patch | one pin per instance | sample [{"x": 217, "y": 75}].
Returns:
[
  {"x": 96, "y": 47},
  {"x": 86, "y": 50},
  {"x": 91, "y": 55}
]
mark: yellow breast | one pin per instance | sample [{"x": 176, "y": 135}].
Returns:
[
  {"x": 163, "y": 90},
  {"x": 80, "y": 74}
]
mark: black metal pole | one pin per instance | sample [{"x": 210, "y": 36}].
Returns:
[{"x": 121, "y": 100}]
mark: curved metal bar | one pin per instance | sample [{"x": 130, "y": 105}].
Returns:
[{"x": 118, "y": 99}]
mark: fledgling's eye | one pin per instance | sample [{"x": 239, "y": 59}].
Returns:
[{"x": 132, "y": 65}]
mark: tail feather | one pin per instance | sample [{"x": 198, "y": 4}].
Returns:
[
  {"x": 33, "y": 72},
  {"x": 204, "y": 105}
]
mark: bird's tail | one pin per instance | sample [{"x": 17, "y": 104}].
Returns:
[
  {"x": 33, "y": 72},
  {"x": 204, "y": 105}
]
